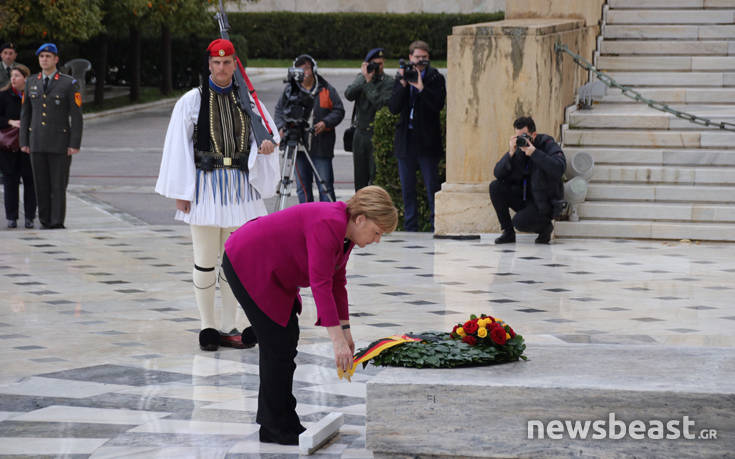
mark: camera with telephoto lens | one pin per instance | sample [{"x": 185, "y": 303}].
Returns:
[
  {"x": 410, "y": 73},
  {"x": 524, "y": 140}
]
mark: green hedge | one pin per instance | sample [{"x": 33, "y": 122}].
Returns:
[
  {"x": 285, "y": 35},
  {"x": 270, "y": 35},
  {"x": 386, "y": 174}
]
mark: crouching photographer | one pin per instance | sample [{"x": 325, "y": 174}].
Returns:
[
  {"x": 529, "y": 181},
  {"x": 308, "y": 93}
]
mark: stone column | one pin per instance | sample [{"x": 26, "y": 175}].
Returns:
[{"x": 498, "y": 72}]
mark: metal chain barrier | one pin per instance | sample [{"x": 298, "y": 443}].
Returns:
[{"x": 637, "y": 96}]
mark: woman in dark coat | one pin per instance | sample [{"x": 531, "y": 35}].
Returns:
[{"x": 16, "y": 165}]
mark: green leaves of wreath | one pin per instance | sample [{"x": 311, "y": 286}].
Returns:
[{"x": 440, "y": 350}]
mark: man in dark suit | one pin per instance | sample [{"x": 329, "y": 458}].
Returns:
[
  {"x": 51, "y": 131},
  {"x": 419, "y": 93}
]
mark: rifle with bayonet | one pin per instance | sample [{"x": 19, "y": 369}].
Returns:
[{"x": 244, "y": 88}]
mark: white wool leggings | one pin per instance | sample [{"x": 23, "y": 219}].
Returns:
[{"x": 209, "y": 245}]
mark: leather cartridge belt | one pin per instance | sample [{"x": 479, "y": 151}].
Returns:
[{"x": 208, "y": 162}]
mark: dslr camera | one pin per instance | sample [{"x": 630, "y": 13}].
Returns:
[
  {"x": 523, "y": 140},
  {"x": 372, "y": 67},
  {"x": 410, "y": 73}
]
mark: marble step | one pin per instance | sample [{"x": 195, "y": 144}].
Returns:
[
  {"x": 693, "y": 95},
  {"x": 646, "y": 229},
  {"x": 669, "y": 32},
  {"x": 668, "y": 4},
  {"x": 711, "y": 79},
  {"x": 642, "y": 138},
  {"x": 678, "y": 175},
  {"x": 669, "y": 47},
  {"x": 671, "y": 16},
  {"x": 655, "y": 156},
  {"x": 640, "y": 116},
  {"x": 661, "y": 193},
  {"x": 493, "y": 411},
  {"x": 681, "y": 212},
  {"x": 667, "y": 63}
]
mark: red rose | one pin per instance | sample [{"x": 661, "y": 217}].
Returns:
[
  {"x": 470, "y": 340},
  {"x": 495, "y": 325},
  {"x": 498, "y": 335},
  {"x": 470, "y": 327},
  {"x": 510, "y": 331}
]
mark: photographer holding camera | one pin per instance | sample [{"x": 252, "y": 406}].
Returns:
[
  {"x": 308, "y": 92},
  {"x": 419, "y": 92},
  {"x": 529, "y": 181},
  {"x": 371, "y": 91}
]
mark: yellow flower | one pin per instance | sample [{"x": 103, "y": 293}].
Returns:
[
  {"x": 507, "y": 335},
  {"x": 460, "y": 331},
  {"x": 482, "y": 332}
]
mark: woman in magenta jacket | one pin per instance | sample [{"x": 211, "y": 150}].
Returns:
[{"x": 268, "y": 259}]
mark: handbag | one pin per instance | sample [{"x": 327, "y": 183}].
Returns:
[
  {"x": 9, "y": 139},
  {"x": 350, "y": 131}
]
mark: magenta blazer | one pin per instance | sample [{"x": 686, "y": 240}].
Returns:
[{"x": 301, "y": 246}]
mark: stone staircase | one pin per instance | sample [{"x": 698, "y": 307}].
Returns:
[{"x": 657, "y": 176}]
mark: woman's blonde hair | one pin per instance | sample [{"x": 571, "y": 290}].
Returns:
[
  {"x": 376, "y": 204},
  {"x": 19, "y": 67}
]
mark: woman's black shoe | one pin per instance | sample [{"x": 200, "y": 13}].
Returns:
[
  {"x": 209, "y": 339},
  {"x": 12, "y": 224},
  {"x": 282, "y": 438}
]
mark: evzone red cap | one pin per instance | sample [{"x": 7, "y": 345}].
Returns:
[{"x": 221, "y": 48}]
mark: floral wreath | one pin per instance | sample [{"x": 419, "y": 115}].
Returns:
[{"x": 483, "y": 340}]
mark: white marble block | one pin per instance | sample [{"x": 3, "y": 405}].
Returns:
[{"x": 318, "y": 434}]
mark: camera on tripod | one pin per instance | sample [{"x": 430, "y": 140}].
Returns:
[
  {"x": 299, "y": 100},
  {"x": 410, "y": 73}
]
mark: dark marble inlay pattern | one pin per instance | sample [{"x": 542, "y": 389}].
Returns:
[
  {"x": 10, "y": 428},
  {"x": 118, "y": 374}
]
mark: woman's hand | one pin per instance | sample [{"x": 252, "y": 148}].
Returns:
[
  {"x": 14, "y": 123},
  {"x": 342, "y": 348}
]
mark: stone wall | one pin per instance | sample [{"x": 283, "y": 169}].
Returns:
[
  {"x": 374, "y": 6},
  {"x": 497, "y": 72}
]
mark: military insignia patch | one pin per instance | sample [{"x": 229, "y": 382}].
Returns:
[
  {"x": 78, "y": 99},
  {"x": 221, "y": 52}
]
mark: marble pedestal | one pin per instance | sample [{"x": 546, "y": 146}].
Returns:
[{"x": 484, "y": 411}]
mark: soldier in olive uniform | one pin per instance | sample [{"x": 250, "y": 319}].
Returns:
[
  {"x": 371, "y": 90},
  {"x": 51, "y": 131},
  {"x": 7, "y": 60}
]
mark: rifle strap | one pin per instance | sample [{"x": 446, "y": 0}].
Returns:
[{"x": 251, "y": 90}]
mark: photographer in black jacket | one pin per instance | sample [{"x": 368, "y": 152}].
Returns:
[
  {"x": 419, "y": 93},
  {"x": 529, "y": 180}
]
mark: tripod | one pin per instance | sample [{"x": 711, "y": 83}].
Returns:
[{"x": 296, "y": 135}]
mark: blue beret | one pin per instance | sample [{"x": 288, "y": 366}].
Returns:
[
  {"x": 373, "y": 53},
  {"x": 49, "y": 47}
]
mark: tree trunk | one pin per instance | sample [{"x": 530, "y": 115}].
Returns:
[
  {"x": 134, "y": 63},
  {"x": 100, "y": 70},
  {"x": 167, "y": 82}
]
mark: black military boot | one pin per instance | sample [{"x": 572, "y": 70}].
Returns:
[{"x": 507, "y": 237}]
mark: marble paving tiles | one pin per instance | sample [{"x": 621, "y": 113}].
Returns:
[{"x": 98, "y": 328}]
